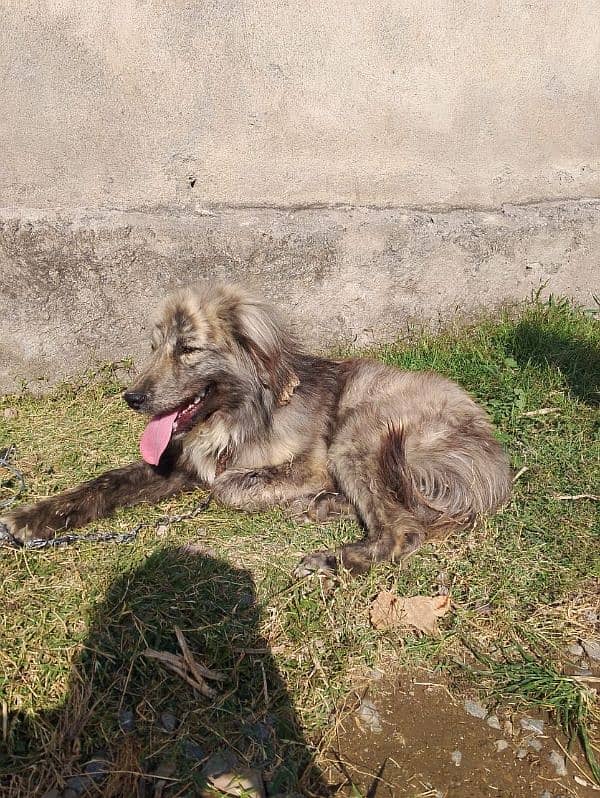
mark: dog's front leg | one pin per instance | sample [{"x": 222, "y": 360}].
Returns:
[
  {"x": 138, "y": 482},
  {"x": 260, "y": 488}
]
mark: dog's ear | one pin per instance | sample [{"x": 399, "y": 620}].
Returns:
[{"x": 269, "y": 347}]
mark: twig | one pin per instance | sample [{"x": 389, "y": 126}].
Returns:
[
  {"x": 176, "y": 664},
  {"x": 187, "y": 667},
  {"x": 543, "y": 411},
  {"x": 578, "y": 496},
  {"x": 520, "y": 473},
  {"x": 574, "y": 762},
  {"x": 200, "y": 671}
]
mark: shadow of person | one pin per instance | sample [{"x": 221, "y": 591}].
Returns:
[
  {"x": 155, "y": 734},
  {"x": 546, "y": 344}
]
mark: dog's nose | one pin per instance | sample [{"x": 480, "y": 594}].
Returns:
[{"x": 135, "y": 400}]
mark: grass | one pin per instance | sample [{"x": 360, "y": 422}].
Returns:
[{"x": 76, "y": 620}]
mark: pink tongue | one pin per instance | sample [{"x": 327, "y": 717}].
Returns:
[{"x": 156, "y": 437}]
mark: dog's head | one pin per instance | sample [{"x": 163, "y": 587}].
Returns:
[{"x": 215, "y": 348}]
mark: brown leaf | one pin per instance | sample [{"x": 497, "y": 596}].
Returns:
[
  {"x": 421, "y": 612},
  {"x": 245, "y": 782}
]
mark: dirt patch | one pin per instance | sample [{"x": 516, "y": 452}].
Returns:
[{"x": 411, "y": 737}]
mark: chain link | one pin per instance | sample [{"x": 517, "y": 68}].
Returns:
[{"x": 7, "y": 539}]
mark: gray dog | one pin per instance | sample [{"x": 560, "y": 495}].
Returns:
[{"x": 238, "y": 408}]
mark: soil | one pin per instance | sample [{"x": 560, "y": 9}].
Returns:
[{"x": 422, "y": 726}]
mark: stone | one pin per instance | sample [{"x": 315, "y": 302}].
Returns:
[
  {"x": 193, "y": 751},
  {"x": 575, "y": 650},
  {"x": 493, "y": 722},
  {"x": 168, "y": 722},
  {"x": 558, "y": 762},
  {"x": 535, "y": 744},
  {"x": 475, "y": 709},
  {"x": 369, "y": 715},
  {"x": 532, "y": 725},
  {"x": 456, "y": 758},
  {"x": 78, "y": 784},
  {"x": 592, "y": 649},
  {"x": 98, "y": 766},
  {"x": 501, "y": 745},
  {"x": 126, "y": 720}
]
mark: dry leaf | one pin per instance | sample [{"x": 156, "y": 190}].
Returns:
[
  {"x": 421, "y": 612},
  {"x": 245, "y": 782}
]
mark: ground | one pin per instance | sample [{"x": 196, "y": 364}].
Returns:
[{"x": 301, "y": 658}]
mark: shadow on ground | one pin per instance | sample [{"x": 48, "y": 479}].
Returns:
[
  {"x": 118, "y": 697},
  {"x": 543, "y": 344}
]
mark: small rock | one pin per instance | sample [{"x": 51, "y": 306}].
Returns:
[
  {"x": 98, "y": 767},
  {"x": 126, "y": 720},
  {"x": 535, "y": 744},
  {"x": 193, "y": 751},
  {"x": 78, "y": 784},
  {"x": 456, "y": 757},
  {"x": 575, "y": 650},
  {"x": 558, "y": 761},
  {"x": 521, "y": 753},
  {"x": 168, "y": 722},
  {"x": 10, "y": 412},
  {"x": 532, "y": 725},
  {"x": 367, "y": 712},
  {"x": 246, "y": 782},
  {"x": 475, "y": 709},
  {"x": 161, "y": 530},
  {"x": 376, "y": 674},
  {"x": 508, "y": 728},
  {"x": 546, "y": 794},
  {"x": 501, "y": 745},
  {"x": 581, "y": 782},
  {"x": 220, "y": 762},
  {"x": 592, "y": 648},
  {"x": 493, "y": 722}
]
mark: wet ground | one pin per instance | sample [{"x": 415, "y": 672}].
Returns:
[{"x": 412, "y": 738}]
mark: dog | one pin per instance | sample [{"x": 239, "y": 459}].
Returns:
[{"x": 236, "y": 407}]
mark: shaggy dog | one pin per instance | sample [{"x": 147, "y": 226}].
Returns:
[{"x": 237, "y": 407}]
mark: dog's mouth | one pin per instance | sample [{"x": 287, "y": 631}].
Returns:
[{"x": 164, "y": 426}]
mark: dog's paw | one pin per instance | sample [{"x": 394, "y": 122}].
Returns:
[
  {"x": 10, "y": 533},
  {"x": 321, "y": 509},
  {"x": 319, "y": 562}
]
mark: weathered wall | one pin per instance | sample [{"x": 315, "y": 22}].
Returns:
[
  {"x": 125, "y": 122},
  {"x": 342, "y": 274}
]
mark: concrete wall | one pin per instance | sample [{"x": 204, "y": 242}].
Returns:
[{"x": 124, "y": 124}]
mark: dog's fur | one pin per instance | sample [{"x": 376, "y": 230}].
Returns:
[{"x": 409, "y": 453}]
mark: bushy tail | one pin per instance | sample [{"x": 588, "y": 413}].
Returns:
[{"x": 446, "y": 477}]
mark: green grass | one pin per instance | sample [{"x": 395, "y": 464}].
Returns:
[{"x": 76, "y": 621}]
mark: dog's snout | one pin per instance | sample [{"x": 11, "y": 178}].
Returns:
[{"x": 135, "y": 400}]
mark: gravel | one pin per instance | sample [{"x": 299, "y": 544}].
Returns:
[
  {"x": 475, "y": 709},
  {"x": 558, "y": 762},
  {"x": 368, "y": 713},
  {"x": 532, "y": 725}
]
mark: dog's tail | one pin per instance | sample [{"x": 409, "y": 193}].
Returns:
[{"x": 447, "y": 478}]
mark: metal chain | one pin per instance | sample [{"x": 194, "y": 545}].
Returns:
[{"x": 7, "y": 539}]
